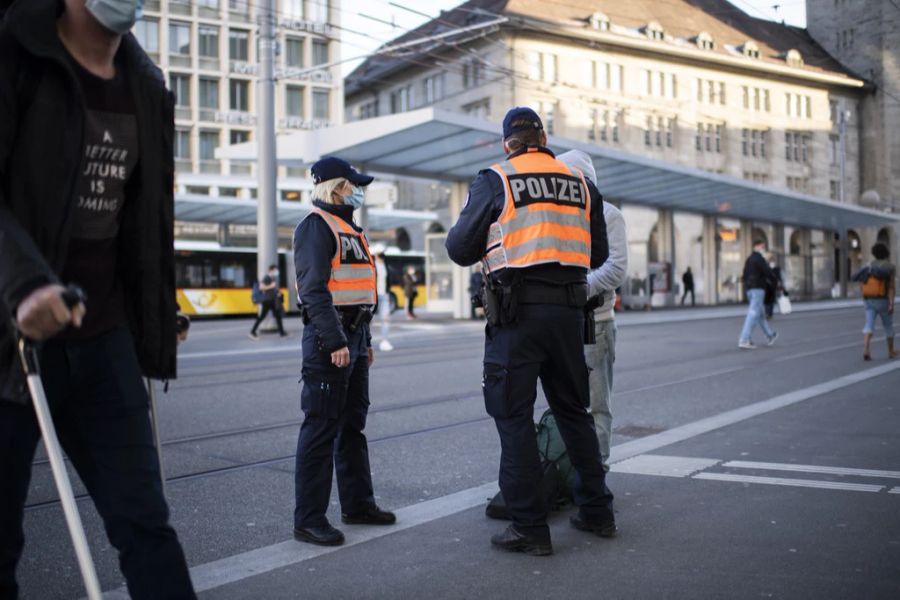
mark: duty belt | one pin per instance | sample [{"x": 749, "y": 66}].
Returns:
[{"x": 572, "y": 294}]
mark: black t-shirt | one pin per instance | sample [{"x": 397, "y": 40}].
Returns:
[{"x": 108, "y": 162}]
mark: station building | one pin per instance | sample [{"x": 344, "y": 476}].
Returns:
[{"x": 745, "y": 109}]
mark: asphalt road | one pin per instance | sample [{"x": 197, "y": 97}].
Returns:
[{"x": 771, "y": 473}]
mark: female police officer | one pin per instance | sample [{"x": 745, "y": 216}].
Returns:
[{"x": 336, "y": 287}]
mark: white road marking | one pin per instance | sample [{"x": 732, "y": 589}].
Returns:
[
  {"x": 895, "y": 490},
  {"x": 241, "y": 566},
  {"x": 653, "y": 442},
  {"x": 809, "y": 483},
  {"x": 666, "y": 466},
  {"x": 744, "y": 464}
]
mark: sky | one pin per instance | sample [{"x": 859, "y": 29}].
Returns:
[{"x": 374, "y": 22}]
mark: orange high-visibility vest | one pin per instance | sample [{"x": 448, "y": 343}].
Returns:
[
  {"x": 546, "y": 217},
  {"x": 352, "y": 279}
]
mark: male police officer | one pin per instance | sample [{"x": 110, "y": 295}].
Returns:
[{"x": 537, "y": 226}]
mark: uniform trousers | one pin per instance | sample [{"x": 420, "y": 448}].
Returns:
[
  {"x": 100, "y": 408},
  {"x": 545, "y": 343},
  {"x": 335, "y": 404}
]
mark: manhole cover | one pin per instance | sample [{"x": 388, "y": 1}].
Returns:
[{"x": 637, "y": 430}]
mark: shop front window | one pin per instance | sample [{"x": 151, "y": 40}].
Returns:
[
  {"x": 689, "y": 253},
  {"x": 731, "y": 260},
  {"x": 641, "y": 227}
]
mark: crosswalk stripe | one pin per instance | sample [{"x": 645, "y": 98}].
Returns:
[
  {"x": 743, "y": 464},
  {"x": 825, "y": 485}
]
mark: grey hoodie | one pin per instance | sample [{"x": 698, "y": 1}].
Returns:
[{"x": 611, "y": 274}]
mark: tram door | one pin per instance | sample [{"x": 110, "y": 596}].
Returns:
[{"x": 438, "y": 273}]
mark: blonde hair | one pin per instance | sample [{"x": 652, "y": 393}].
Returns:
[{"x": 323, "y": 191}]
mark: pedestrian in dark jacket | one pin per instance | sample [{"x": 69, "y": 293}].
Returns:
[
  {"x": 337, "y": 285},
  {"x": 410, "y": 290},
  {"x": 86, "y": 197},
  {"x": 476, "y": 281},
  {"x": 687, "y": 281},
  {"x": 757, "y": 276},
  {"x": 774, "y": 288},
  {"x": 272, "y": 302}
]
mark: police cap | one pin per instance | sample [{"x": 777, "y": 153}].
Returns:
[
  {"x": 332, "y": 167},
  {"x": 527, "y": 120}
]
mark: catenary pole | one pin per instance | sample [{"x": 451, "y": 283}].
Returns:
[{"x": 266, "y": 210}]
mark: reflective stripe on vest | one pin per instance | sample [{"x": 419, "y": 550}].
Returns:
[
  {"x": 352, "y": 279},
  {"x": 545, "y": 218}
]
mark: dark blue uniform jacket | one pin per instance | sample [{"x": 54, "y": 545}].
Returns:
[
  {"x": 468, "y": 237},
  {"x": 314, "y": 248}
]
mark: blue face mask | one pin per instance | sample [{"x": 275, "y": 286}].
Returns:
[
  {"x": 118, "y": 16},
  {"x": 357, "y": 198}
]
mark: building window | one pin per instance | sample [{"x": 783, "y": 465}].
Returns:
[
  {"x": 238, "y": 137},
  {"x": 238, "y": 95},
  {"x": 659, "y": 84},
  {"x": 318, "y": 10},
  {"x": 209, "y": 93},
  {"x": 370, "y": 109},
  {"x": 834, "y": 152},
  {"x": 180, "y": 39},
  {"x": 655, "y": 31},
  {"x": 796, "y": 146},
  {"x": 480, "y": 109},
  {"x": 705, "y": 41},
  {"x": 607, "y": 76},
  {"x": 797, "y": 105},
  {"x": 319, "y": 53},
  {"x": 472, "y": 73},
  {"x": 293, "y": 101},
  {"x": 293, "y": 52},
  {"x": 709, "y": 137},
  {"x": 238, "y": 45},
  {"x": 547, "y": 111},
  {"x": 292, "y": 9},
  {"x": 180, "y": 85},
  {"x": 401, "y": 100},
  {"x": 147, "y": 33},
  {"x": 320, "y": 104},
  {"x": 208, "y": 46},
  {"x": 183, "y": 144},
  {"x": 241, "y": 7},
  {"x": 599, "y": 22},
  {"x": 209, "y": 141},
  {"x": 750, "y": 50},
  {"x": 793, "y": 58},
  {"x": 542, "y": 66},
  {"x": 433, "y": 88}
]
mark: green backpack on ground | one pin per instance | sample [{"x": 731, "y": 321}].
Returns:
[{"x": 558, "y": 479}]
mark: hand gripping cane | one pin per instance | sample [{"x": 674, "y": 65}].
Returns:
[{"x": 29, "y": 356}]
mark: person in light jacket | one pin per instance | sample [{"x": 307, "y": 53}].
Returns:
[{"x": 603, "y": 280}]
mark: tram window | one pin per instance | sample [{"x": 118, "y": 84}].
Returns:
[{"x": 189, "y": 273}]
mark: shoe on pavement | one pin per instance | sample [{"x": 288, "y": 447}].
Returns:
[
  {"x": 385, "y": 346},
  {"x": 321, "y": 536},
  {"x": 605, "y": 529},
  {"x": 513, "y": 541},
  {"x": 772, "y": 339},
  {"x": 748, "y": 345},
  {"x": 371, "y": 516},
  {"x": 253, "y": 336}
]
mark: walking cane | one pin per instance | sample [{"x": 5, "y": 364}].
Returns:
[
  {"x": 28, "y": 354},
  {"x": 154, "y": 422}
]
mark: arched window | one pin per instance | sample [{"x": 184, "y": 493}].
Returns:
[
  {"x": 793, "y": 58},
  {"x": 750, "y": 49},
  {"x": 705, "y": 41},
  {"x": 401, "y": 238},
  {"x": 884, "y": 237},
  {"x": 599, "y": 21},
  {"x": 795, "y": 243},
  {"x": 654, "y": 31},
  {"x": 435, "y": 227}
]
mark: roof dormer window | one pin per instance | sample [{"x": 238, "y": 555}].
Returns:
[
  {"x": 705, "y": 41},
  {"x": 750, "y": 49},
  {"x": 599, "y": 21},
  {"x": 793, "y": 58},
  {"x": 655, "y": 31}
]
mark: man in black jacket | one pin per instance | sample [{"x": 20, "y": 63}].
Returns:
[
  {"x": 86, "y": 197},
  {"x": 757, "y": 276}
]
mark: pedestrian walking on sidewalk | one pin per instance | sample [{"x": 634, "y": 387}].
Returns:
[
  {"x": 272, "y": 302},
  {"x": 603, "y": 281},
  {"x": 879, "y": 286},
  {"x": 86, "y": 197},
  {"x": 687, "y": 281},
  {"x": 757, "y": 276},
  {"x": 410, "y": 290},
  {"x": 336, "y": 282},
  {"x": 535, "y": 297},
  {"x": 384, "y": 297},
  {"x": 774, "y": 288}
]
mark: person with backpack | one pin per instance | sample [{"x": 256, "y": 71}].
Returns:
[
  {"x": 535, "y": 291},
  {"x": 86, "y": 197},
  {"x": 270, "y": 301},
  {"x": 879, "y": 288}
]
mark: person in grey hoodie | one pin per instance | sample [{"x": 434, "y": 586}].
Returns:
[{"x": 603, "y": 280}]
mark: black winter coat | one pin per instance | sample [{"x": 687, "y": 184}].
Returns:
[
  {"x": 41, "y": 143},
  {"x": 757, "y": 273}
]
